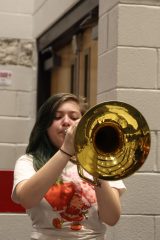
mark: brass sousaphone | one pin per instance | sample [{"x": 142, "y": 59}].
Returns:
[{"x": 112, "y": 141}]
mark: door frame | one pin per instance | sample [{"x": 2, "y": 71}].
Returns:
[{"x": 55, "y": 37}]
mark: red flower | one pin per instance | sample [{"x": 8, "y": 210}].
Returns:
[
  {"x": 76, "y": 226},
  {"x": 60, "y": 194},
  {"x": 57, "y": 223}
]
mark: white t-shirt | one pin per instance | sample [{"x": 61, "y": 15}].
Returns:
[{"x": 69, "y": 208}]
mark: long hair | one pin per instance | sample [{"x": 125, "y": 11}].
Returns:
[{"x": 40, "y": 146}]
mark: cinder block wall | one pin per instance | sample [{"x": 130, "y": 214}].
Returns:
[
  {"x": 21, "y": 23},
  {"x": 17, "y": 98},
  {"x": 18, "y": 95},
  {"x": 129, "y": 71}
]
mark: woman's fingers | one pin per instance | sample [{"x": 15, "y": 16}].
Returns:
[{"x": 69, "y": 137}]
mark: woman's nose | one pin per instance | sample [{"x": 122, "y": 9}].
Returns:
[{"x": 66, "y": 120}]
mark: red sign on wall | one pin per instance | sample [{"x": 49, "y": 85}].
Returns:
[
  {"x": 6, "y": 184},
  {"x": 5, "y": 77}
]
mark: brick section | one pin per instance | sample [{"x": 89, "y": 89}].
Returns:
[
  {"x": 106, "y": 5},
  {"x": 142, "y": 2},
  {"x": 9, "y": 154},
  {"x": 18, "y": 130},
  {"x": 113, "y": 17},
  {"x": 141, "y": 197},
  {"x": 158, "y": 151},
  {"x": 134, "y": 67},
  {"x": 22, "y": 6},
  {"x": 15, "y": 226},
  {"x": 23, "y": 78},
  {"x": 137, "y": 67},
  {"x": 134, "y": 227},
  {"x": 157, "y": 230},
  {"x": 129, "y": 71},
  {"x": 107, "y": 61},
  {"x": 158, "y": 77},
  {"x": 7, "y": 103},
  {"x": 103, "y": 30},
  {"x": 18, "y": 103},
  {"x": 139, "y": 25},
  {"x": 146, "y": 101},
  {"x": 13, "y": 25}
]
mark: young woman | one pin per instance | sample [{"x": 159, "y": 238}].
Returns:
[{"x": 60, "y": 204}]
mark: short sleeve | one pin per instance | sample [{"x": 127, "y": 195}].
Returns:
[
  {"x": 23, "y": 170},
  {"x": 119, "y": 184}
]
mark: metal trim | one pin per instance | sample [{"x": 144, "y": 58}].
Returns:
[{"x": 76, "y": 14}]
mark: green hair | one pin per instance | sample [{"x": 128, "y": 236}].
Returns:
[{"x": 40, "y": 146}]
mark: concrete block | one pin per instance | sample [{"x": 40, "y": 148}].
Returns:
[
  {"x": 20, "y": 150},
  {"x": 15, "y": 227},
  {"x": 23, "y": 78},
  {"x": 9, "y": 154},
  {"x": 33, "y": 104},
  {"x": 103, "y": 34},
  {"x": 137, "y": 67},
  {"x": 158, "y": 151},
  {"x": 142, "y": 196},
  {"x": 135, "y": 227},
  {"x": 139, "y": 25},
  {"x": 12, "y": 26},
  {"x": 14, "y": 130},
  {"x": 158, "y": 78},
  {"x": 157, "y": 227},
  {"x": 26, "y": 104},
  {"x": 107, "y": 71},
  {"x": 113, "y": 28},
  {"x": 107, "y": 96},
  {"x": 127, "y": 67},
  {"x": 146, "y": 101},
  {"x": 37, "y": 4},
  {"x": 7, "y": 103},
  {"x": 17, "y": 6},
  {"x": 142, "y": 2},
  {"x": 106, "y": 5}
]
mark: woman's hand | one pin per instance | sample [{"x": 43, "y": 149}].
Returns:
[{"x": 68, "y": 144}]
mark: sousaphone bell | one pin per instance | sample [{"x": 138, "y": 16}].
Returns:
[{"x": 112, "y": 141}]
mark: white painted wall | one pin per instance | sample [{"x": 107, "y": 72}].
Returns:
[
  {"x": 129, "y": 71},
  {"x": 16, "y": 18},
  {"x": 46, "y": 12},
  {"x": 17, "y": 100}
]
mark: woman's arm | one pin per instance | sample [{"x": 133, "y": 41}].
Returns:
[
  {"x": 30, "y": 192},
  {"x": 109, "y": 206}
]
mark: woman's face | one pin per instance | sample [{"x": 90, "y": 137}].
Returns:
[{"x": 66, "y": 114}]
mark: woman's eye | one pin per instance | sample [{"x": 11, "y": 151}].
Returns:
[
  {"x": 75, "y": 118},
  {"x": 58, "y": 117},
  {"x": 71, "y": 116}
]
